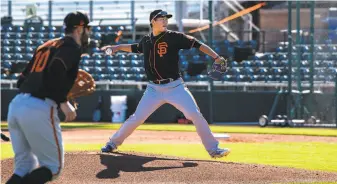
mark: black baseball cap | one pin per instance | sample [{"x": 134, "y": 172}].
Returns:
[
  {"x": 78, "y": 18},
  {"x": 159, "y": 13}
]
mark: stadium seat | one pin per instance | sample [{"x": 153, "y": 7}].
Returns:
[
  {"x": 140, "y": 77},
  {"x": 229, "y": 78},
  {"x": 52, "y": 29},
  {"x": 125, "y": 63},
  {"x": 202, "y": 77},
  {"x": 112, "y": 63},
  {"x": 257, "y": 78},
  {"x": 125, "y": 70},
  {"x": 96, "y": 29},
  {"x": 108, "y": 29}
]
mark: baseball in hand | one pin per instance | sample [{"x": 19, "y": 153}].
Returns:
[{"x": 108, "y": 51}]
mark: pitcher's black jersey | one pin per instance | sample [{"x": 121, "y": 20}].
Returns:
[
  {"x": 161, "y": 53},
  {"x": 52, "y": 71}
]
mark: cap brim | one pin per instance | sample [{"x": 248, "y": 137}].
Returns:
[
  {"x": 93, "y": 23},
  {"x": 167, "y": 16}
]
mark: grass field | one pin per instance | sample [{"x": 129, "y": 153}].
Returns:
[
  {"x": 312, "y": 156},
  {"x": 215, "y": 128},
  {"x": 304, "y": 155}
]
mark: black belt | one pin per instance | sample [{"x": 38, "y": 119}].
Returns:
[{"x": 163, "y": 81}]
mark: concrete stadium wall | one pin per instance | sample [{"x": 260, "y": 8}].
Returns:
[{"x": 228, "y": 106}]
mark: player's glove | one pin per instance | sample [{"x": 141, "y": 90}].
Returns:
[
  {"x": 218, "y": 69},
  {"x": 84, "y": 85}
]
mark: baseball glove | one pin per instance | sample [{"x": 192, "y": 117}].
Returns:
[
  {"x": 84, "y": 85},
  {"x": 218, "y": 69}
]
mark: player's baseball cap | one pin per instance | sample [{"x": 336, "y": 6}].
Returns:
[
  {"x": 159, "y": 13},
  {"x": 78, "y": 18}
]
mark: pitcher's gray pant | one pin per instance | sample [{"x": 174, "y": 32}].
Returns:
[
  {"x": 176, "y": 94},
  {"x": 35, "y": 133}
]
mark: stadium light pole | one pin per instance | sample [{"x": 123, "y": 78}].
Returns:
[
  {"x": 312, "y": 22},
  {"x": 50, "y": 9},
  {"x": 289, "y": 99},
  {"x": 210, "y": 41},
  {"x": 91, "y": 10},
  {"x": 133, "y": 26},
  {"x": 9, "y": 8},
  {"x": 298, "y": 59}
]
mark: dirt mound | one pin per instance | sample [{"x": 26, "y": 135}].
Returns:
[{"x": 93, "y": 167}]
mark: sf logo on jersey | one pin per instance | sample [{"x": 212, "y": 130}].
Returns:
[{"x": 162, "y": 48}]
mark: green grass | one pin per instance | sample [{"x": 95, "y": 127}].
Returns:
[
  {"x": 312, "y": 156},
  {"x": 215, "y": 128}
]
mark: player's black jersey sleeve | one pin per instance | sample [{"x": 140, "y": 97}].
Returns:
[
  {"x": 138, "y": 47},
  {"x": 186, "y": 42}
]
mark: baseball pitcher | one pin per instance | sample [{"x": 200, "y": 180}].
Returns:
[
  {"x": 44, "y": 86},
  {"x": 161, "y": 57}
]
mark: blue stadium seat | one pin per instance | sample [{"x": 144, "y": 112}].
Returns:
[
  {"x": 284, "y": 63},
  {"x": 29, "y": 50},
  {"x": 258, "y": 78},
  {"x": 52, "y": 29},
  {"x": 7, "y": 64},
  {"x": 7, "y": 43},
  {"x": 273, "y": 63},
  {"x": 243, "y": 78},
  {"x": 318, "y": 48},
  {"x": 125, "y": 63},
  {"x": 140, "y": 77},
  {"x": 42, "y": 29},
  {"x": 18, "y": 36},
  {"x": 19, "y": 29},
  {"x": 282, "y": 57},
  {"x": 260, "y": 63},
  {"x": 4, "y": 76},
  {"x": 7, "y": 29},
  {"x": 19, "y": 43},
  {"x": 125, "y": 70},
  {"x": 136, "y": 63},
  {"x": 51, "y": 35},
  {"x": 40, "y": 42},
  {"x": 263, "y": 71},
  {"x": 112, "y": 63},
  {"x": 281, "y": 49},
  {"x": 304, "y": 63},
  {"x": 7, "y": 57},
  {"x": 8, "y": 36},
  {"x": 202, "y": 77},
  {"x": 319, "y": 78},
  {"x": 229, "y": 78},
  {"x": 247, "y": 64},
  {"x": 96, "y": 29},
  {"x": 183, "y": 65},
  {"x": 109, "y": 29},
  {"x": 31, "y": 29},
  {"x": 248, "y": 71},
  {"x": 14, "y": 76},
  {"x": 97, "y": 36},
  {"x": 28, "y": 57},
  {"x": 8, "y": 50},
  {"x": 96, "y": 50},
  {"x": 18, "y": 57},
  {"x": 234, "y": 64},
  {"x": 17, "y": 50}
]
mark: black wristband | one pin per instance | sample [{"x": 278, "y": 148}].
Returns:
[{"x": 216, "y": 57}]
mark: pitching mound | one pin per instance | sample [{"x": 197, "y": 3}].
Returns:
[{"x": 93, "y": 167}]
